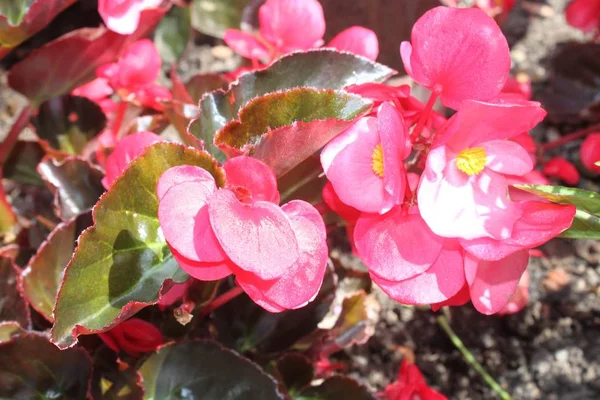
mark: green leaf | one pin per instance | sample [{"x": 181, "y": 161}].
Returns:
[
  {"x": 41, "y": 278},
  {"x": 172, "y": 34},
  {"x": 33, "y": 368},
  {"x": 12, "y": 306},
  {"x": 68, "y": 123},
  {"x": 587, "y": 217},
  {"x": 15, "y": 10},
  {"x": 8, "y": 219},
  {"x": 336, "y": 388},
  {"x": 295, "y": 371},
  {"x": 214, "y": 17},
  {"x": 284, "y": 128},
  {"x": 111, "y": 381},
  {"x": 203, "y": 370},
  {"x": 77, "y": 184},
  {"x": 318, "y": 69},
  {"x": 22, "y": 163},
  {"x": 8, "y": 330},
  {"x": 122, "y": 261}
]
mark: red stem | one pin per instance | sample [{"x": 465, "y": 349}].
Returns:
[
  {"x": 435, "y": 93},
  {"x": 570, "y": 137},
  {"x": 116, "y": 128},
  {"x": 221, "y": 300},
  {"x": 9, "y": 141}
]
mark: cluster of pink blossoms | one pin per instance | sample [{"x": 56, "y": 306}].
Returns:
[{"x": 431, "y": 212}]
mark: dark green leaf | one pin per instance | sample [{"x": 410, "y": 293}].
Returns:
[
  {"x": 319, "y": 69},
  {"x": 336, "y": 388},
  {"x": 13, "y": 307},
  {"x": 284, "y": 128},
  {"x": 41, "y": 278},
  {"x": 295, "y": 370},
  {"x": 587, "y": 218},
  {"x": 77, "y": 184},
  {"x": 203, "y": 370},
  {"x": 122, "y": 261},
  {"x": 214, "y": 17},
  {"x": 33, "y": 368},
  {"x": 22, "y": 163},
  {"x": 111, "y": 381},
  {"x": 172, "y": 34},
  {"x": 68, "y": 123},
  {"x": 15, "y": 10},
  {"x": 304, "y": 182}
]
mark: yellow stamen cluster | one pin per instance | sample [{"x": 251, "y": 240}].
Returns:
[
  {"x": 377, "y": 163},
  {"x": 471, "y": 161}
]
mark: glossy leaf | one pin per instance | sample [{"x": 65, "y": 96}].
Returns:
[
  {"x": 71, "y": 60},
  {"x": 213, "y": 17},
  {"x": 319, "y": 69},
  {"x": 284, "y": 128},
  {"x": 114, "y": 380},
  {"x": 14, "y": 11},
  {"x": 33, "y": 368},
  {"x": 335, "y": 388},
  {"x": 121, "y": 263},
  {"x": 295, "y": 370},
  {"x": 172, "y": 34},
  {"x": 41, "y": 278},
  {"x": 68, "y": 123},
  {"x": 12, "y": 306},
  {"x": 203, "y": 370},
  {"x": 8, "y": 219},
  {"x": 22, "y": 163},
  {"x": 8, "y": 330},
  {"x": 77, "y": 184},
  {"x": 587, "y": 217}
]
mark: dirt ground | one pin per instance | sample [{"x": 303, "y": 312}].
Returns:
[{"x": 550, "y": 350}]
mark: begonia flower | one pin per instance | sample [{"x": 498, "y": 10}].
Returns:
[
  {"x": 464, "y": 190},
  {"x": 278, "y": 254},
  {"x": 459, "y": 52},
  {"x": 123, "y": 16},
  {"x": 347, "y": 213},
  {"x": 589, "y": 152},
  {"x": 563, "y": 169},
  {"x": 410, "y": 385},
  {"x": 519, "y": 299},
  {"x": 126, "y": 150},
  {"x": 133, "y": 336},
  {"x": 357, "y": 40},
  {"x": 365, "y": 163},
  {"x": 584, "y": 14}
]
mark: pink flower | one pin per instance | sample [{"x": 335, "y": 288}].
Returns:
[
  {"x": 584, "y": 14},
  {"x": 464, "y": 190},
  {"x": 278, "y": 254},
  {"x": 134, "y": 336},
  {"x": 563, "y": 169},
  {"x": 126, "y": 150},
  {"x": 365, "y": 163},
  {"x": 332, "y": 200},
  {"x": 518, "y": 301},
  {"x": 590, "y": 152},
  {"x": 410, "y": 385},
  {"x": 460, "y": 52},
  {"x": 357, "y": 40},
  {"x": 123, "y": 16}
]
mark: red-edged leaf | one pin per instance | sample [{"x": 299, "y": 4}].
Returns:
[
  {"x": 8, "y": 219},
  {"x": 41, "y": 278},
  {"x": 71, "y": 60},
  {"x": 13, "y": 307},
  {"x": 22, "y": 163},
  {"x": 77, "y": 184},
  {"x": 8, "y": 330},
  {"x": 111, "y": 381},
  {"x": 122, "y": 262},
  {"x": 338, "y": 387}
]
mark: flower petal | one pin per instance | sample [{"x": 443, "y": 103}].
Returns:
[
  {"x": 258, "y": 238},
  {"x": 246, "y": 45},
  {"x": 204, "y": 271},
  {"x": 357, "y": 40},
  {"x": 393, "y": 134},
  {"x": 253, "y": 175},
  {"x": 507, "y": 157}
]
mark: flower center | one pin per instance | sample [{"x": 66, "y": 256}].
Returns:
[
  {"x": 377, "y": 163},
  {"x": 471, "y": 161}
]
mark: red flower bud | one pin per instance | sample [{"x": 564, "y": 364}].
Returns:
[
  {"x": 590, "y": 152},
  {"x": 134, "y": 337}
]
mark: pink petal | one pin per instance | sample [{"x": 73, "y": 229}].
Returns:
[
  {"x": 492, "y": 283},
  {"x": 590, "y": 152},
  {"x": 173, "y": 294},
  {"x": 393, "y": 134},
  {"x": 333, "y": 201},
  {"x": 539, "y": 222},
  {"x": 357, "y": 40},
  {"x": 153, "y": 96},
  {"x": 139, "y": 66},
  {"x": 456, "y": 205},
  {"x": 121, "y": 16},
  {"x": 292, "y": 24},
  {"x": 507, "y": 157},
  {"x": 477, "y": 122},
  {"x": 563, "y": 169},
  {"x": 462, "y": 297},
  {"x": 127, "y": 149},
  {"x": 518, "y": 301},
  {"x": 95, "y": 90},
  {"x": 204, "y": 271},
  {"x": 181, "y": 174},
  {"x": 439, "y": 283},
  {"x": 351, "y": 169},
  {"x": 301, "y": 283},
  {"x": 258, "y": 238},
  {"x": 246, "y": 45},
  {"x": 461, "y": 49},
  {"x": 254, "y": 176},
  {"x": 405, "y": 54},
  {"x": 395, "y": 246},
  {"x": 584, "y": 14}
]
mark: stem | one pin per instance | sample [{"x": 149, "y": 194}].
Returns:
[
  {"x": 435, "y": 93},
  {"x": 221, "y": 300},
  {"x": 9, "y": 141},
  {"x": 116, "y": 128},
  {"x": 470, "y": 359},
  {"x": 570, "y": 137}
]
